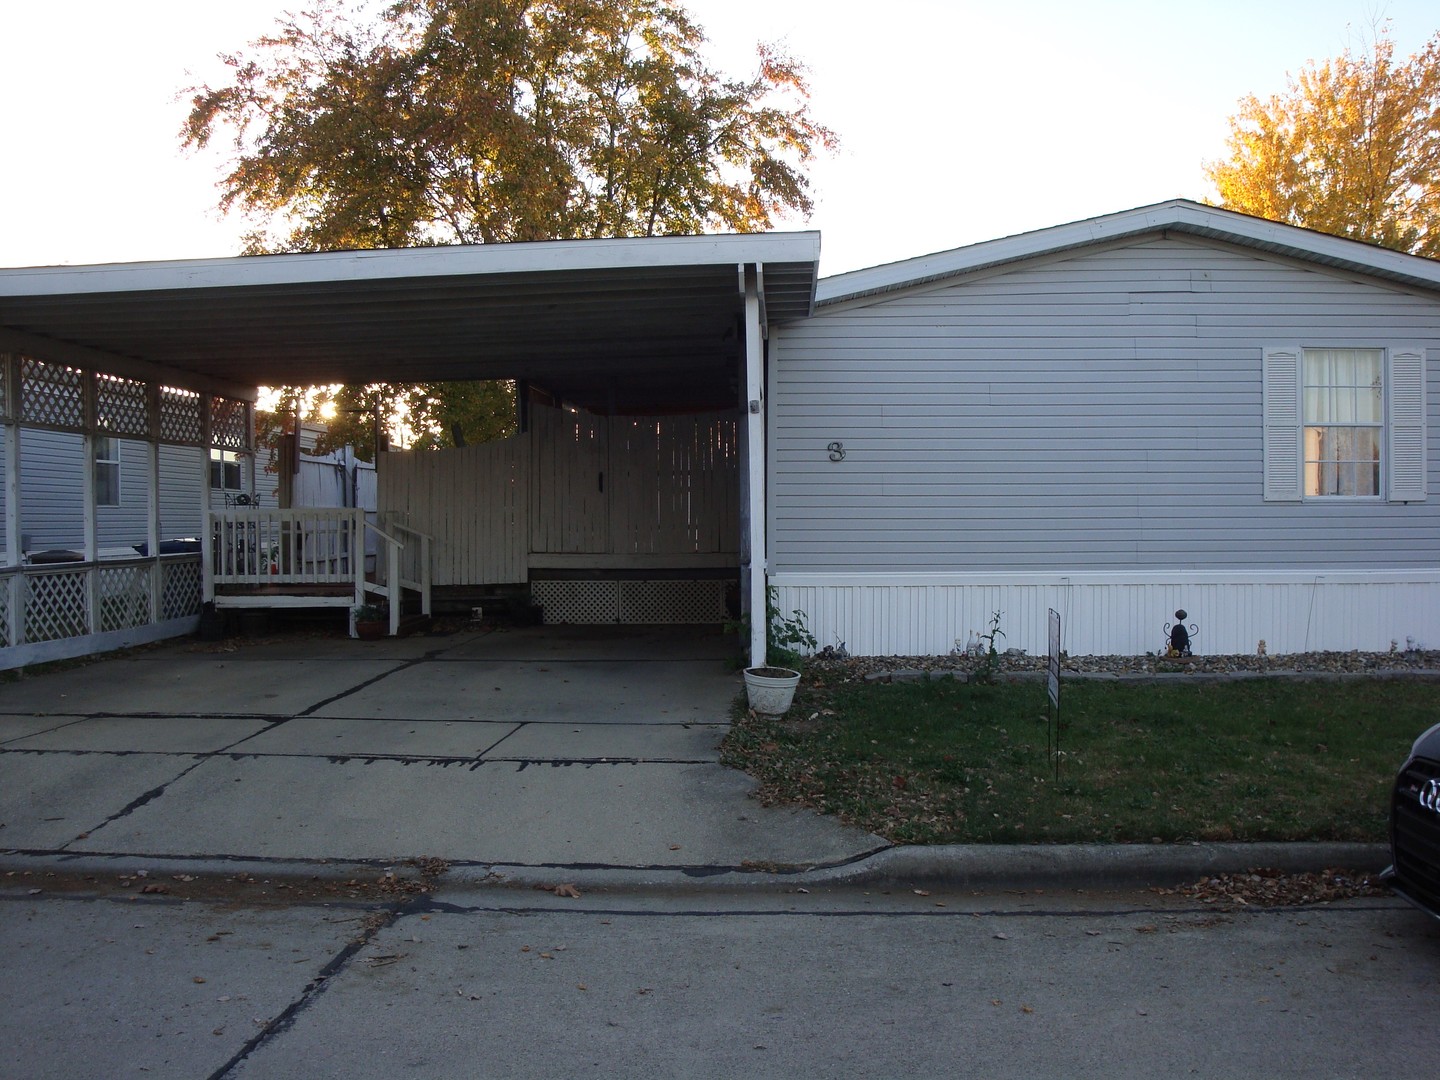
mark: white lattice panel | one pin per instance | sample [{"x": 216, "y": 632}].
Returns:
[
  {"x": 122, "y": 406},
  {"x": 7, "y": 636},
  {"x": 55, "y": 606},
  {"x": 643, "y": 602},
  {"x": 672, "y": 601},
  {"x": 180, "y": 588},
  {"x": 229, "y": 424},
  {"x": 578, "y": 601},
  {"x": 51, "y": 394},
  {"x": 124, "y": 597},
  {"x": 179, "y": 416}
]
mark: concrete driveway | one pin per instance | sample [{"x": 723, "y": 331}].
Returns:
[{"x": 546, "y": 747}]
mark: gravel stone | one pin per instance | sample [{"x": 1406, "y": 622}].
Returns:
[{"x": 1012, "y": 667}]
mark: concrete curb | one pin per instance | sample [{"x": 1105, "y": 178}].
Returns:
[
  {"x": 1092, "y": 865},
  {"x": 1011, "y": 866}
]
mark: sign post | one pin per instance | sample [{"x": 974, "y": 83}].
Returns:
[{"x": 1053, "y": 685}]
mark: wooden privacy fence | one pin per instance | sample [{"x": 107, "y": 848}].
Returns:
[{"x": 577, "y": 491}]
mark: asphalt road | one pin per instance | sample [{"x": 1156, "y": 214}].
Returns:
[{"x": 254, "y": 981}]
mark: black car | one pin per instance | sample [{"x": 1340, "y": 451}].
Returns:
[{"x": 1414, "y": 871}]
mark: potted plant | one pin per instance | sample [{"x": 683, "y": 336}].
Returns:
[
  {"x": 369, "y": 621},
  {"x": 770, "y": 689}
]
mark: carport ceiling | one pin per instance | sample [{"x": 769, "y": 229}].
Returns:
[{"x": 636, "y": 322}]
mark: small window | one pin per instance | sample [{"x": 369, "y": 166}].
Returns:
[
  {"x": 107, "y": 471},
  {"x": 1344, "y": 407},
  {"x": 224, "y": 470}
]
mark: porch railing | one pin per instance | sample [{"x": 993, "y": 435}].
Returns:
[
  {"x": 311, "y": 557},
  {"x": 306, "y": 546},
  {"x": 405, "y": 565}
]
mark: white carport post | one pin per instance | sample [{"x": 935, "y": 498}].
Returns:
[{"x": 755, "y": 460}]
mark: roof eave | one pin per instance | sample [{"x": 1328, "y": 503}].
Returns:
[
  {"x": 547, "y": 256},
  {"x": 1178, "y": 215}
]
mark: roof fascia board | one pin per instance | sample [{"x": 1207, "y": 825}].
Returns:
[
  {"x": 1178, "y": 215},
  {"x": 64, "y": 352},
  {"x": 319, "y": 268}
]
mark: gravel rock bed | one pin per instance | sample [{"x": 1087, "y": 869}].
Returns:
[{"x": 1016, "y": 666}]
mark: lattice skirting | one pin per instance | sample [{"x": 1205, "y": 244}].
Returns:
[{"x": 597, "y": 602}]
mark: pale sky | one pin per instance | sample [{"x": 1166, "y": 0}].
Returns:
[{"x": 959, "y": 121}]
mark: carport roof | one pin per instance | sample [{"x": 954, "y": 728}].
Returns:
[{"x": 636, "y": 322}]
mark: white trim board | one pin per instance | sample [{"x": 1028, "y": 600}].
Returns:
[{"x": 44, "y": 652}]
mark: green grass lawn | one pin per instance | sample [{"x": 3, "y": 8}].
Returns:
[{"x": 947, "y": 762}]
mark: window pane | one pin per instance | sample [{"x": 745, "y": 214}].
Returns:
[
  {"x": 225, "y": 470},
  {"x": 107, "y": 484},
  {"x": 1344, "y": 415},
  {"x": 1342, "y": 461},
  {"x": 1370, "y": 403},
  {"x": 107, "y": 472}
]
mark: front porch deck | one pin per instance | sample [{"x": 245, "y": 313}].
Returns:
[{"x": 312, "y": 557}]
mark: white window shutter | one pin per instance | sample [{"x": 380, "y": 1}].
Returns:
[
  {"x": 1407, "y": 425},
  {"x": 1281, "y": 407}
]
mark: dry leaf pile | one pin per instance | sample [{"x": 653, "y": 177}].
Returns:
[{"x": 1267, "y": 887}]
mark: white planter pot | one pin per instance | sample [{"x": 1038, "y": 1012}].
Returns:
[{"x": 770, "y": 693}]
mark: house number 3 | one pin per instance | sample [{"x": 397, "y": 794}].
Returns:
[{"x": 837, "y": 451}]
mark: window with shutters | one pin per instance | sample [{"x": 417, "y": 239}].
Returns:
[
  {"x": 1343, "y": 406},
  {"x": 1344, "y": 423}
]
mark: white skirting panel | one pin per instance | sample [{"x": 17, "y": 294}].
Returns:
[{"x": 1120, "y": 614}]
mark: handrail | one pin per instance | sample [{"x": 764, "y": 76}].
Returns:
[
  {"x": 395, "y": 582},
  {"x": 413, "y": 532},
  {"x": 383, "y": 534}
]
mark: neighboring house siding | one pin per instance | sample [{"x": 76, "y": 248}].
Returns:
[
  {"x": 51, "y": 490},
  {"x": 52, "y": 493},
  {"x": 1098, "y": 412},
  {"x": 180, "y": 480},
  {"x": 122, "y": 526}
]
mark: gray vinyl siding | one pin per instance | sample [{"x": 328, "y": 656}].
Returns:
[
  {"x": 1097, "y": 412},
  {"x": 126, "y": 524},
  {"x": 181, "y": 477},
  {"x": 51, "y": 510},
  {"x": 52, "y": 465}
]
